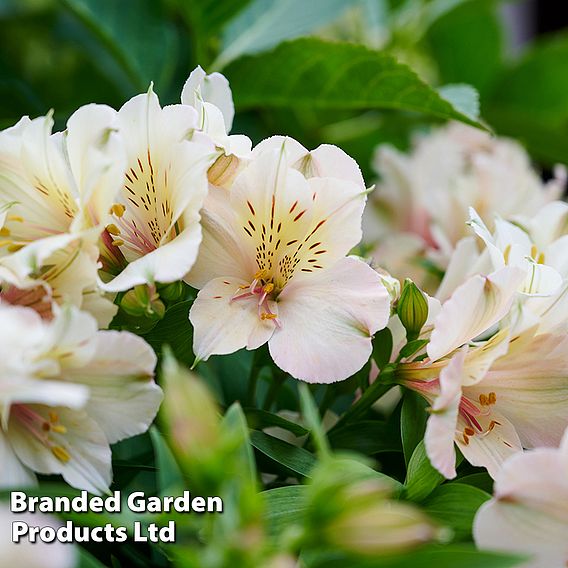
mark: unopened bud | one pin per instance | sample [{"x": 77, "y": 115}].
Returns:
[
  {"x": 412, "y": 309},
  {"x": 224, "y": 170},
  {"x": 171, "y": 292},
  {"x": 143, "y": 301}
]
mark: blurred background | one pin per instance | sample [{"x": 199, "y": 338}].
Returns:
[{"x": 61, "y": 54}]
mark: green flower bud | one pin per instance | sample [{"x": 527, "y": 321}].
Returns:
[
  {"x": 171, "y": 292},
  {"x": 412, "y": 309},
  {"x": 143, "y": 301}
]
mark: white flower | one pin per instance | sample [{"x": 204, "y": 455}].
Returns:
[
  {"x": 529, "y": 510},
  {"x": 155, "y": 232},
  {"x": 32, "y": 555},
  {"x": 427, "y": 192},
  {"x": 67, "y": 391},
  {"x": 55, "y": 192},
  {"x": 273, "y": 266}
]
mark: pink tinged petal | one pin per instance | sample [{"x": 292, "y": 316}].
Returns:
[
  {"x": 97, "y": 158},
  {"x": 124, "y": 399},
  {"x": 327, "y": 321},
  {"x": 330, "y": 161},
  {"x": 82, "y": 457},
  {"x": 459, "y": 267},
  {"x": 13, "y": 472},
  {"x": 531, "y": 386},
  {"x": 474, "y": 307},
  {"x": 480, "y": 358},
  {"x": 490, "y": 448},
  {"x": 224, "y": 325},
  {"x": 529, "y": 512},
  {"x": 442, "y": 424}
]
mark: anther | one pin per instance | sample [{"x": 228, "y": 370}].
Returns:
[
  {"x": 113, "y": 229},
  {"x": 117, "y": 209},
  {"x": 60, "y": 453},
  {"x": 117, "y": 243}
]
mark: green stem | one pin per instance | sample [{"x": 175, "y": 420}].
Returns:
[{"x": 253, "y": 378}]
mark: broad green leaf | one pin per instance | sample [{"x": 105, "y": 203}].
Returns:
[
  {"x": 313, "y": 73},
  {"x": 208, "y": 16},
  {"x": 235, "y": 423},
  {"x": 481, "y": 480},
  {"x": 421, "y": 477},
  {"x": 453, "y": 556},
  {"x": 168, "y": 474},
  {"x": 412, "y": 422},
  {"x": 454, "y": 505},
  {"x": 266, "y": 23},
  {"x": 294, "y": 459},
  {"x": 137, "y": 35},
  {"x": 459, "y": 54},
  {"x": 284, "y": 506},
  {"x": 463, "y": 98},
  {"x": 259, "y": 419},
  {"x": 312, "y": 419},
  {"x": 367, "y": 437},
  {"x": 530, "y": 100}
]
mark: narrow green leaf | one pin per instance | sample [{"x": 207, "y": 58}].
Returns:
[
  {"x": 86, "y": 560},
  {"x": 412, "y": 422},
  {"x": 367, "y": 437},
  {"x": 317, "y": 74},
  {"x": 481, "y": 480},
  {"x": 235, "y": 423},
  {"x": 382, "y": 347},
  {"x": 454, "y": 505},
  {"x": 168, "y": 473},
  {"x": 259, "y": 419},
  {"x": 296, "y": 460},
  {"x": 284, "y": 506},
  {"x": 312, "y": 419}
]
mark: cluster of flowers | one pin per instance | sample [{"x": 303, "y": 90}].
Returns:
[{"x": 148, "y": 195}]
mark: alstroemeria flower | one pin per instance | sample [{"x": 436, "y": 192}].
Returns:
[
  {"x": 67, "y": 391},
  {"x": 529, "y": 510},
  {"x": 509, "y": 245},
  {"x": 273, "y": 268},
  {"x": 155, "y": 233},
  {"x": 55, "y": 192},
  {"x": 491, "y": 392},
  {"x": 33, "y": 555}
]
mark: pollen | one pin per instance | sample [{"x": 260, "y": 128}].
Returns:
[
  {"x": 60, "y": 453},
  {"x": 15, "y": 218},
  {"x": 469, "y": 431},
  {"x": 534, "y": 251},
  {"x": 113, "y": 229},
  {"x": 4, "y": 232},
  {"x": 59, "y": 429},
  {"x": 541, "y": 258},
  {"x": 267, "y": 316},
  {"x": 506, "y": 253},
  {"x": 268, "y": 288},
  {"x": 117, "y": 209},
  {"x": 117, "y": 243}
]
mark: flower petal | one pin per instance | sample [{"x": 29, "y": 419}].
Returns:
[
  {"x": 442, "y": 424},
  {"x": 474, "y": 307},
  {"x": 223, "y": 325},
  {"x": 327, "y": 322},
  {"x": 13, "y": 473}
]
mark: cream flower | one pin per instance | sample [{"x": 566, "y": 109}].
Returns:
[
  {"x": 492, "y": 391},
  {"x": 67, "y": 391},
  {"x": 38, "y": 554},
  {"x": 529, "y": 510},
  {"x": 272, "y": 267},
  {"x": 427, "y": 193},
  {"x": 55, "y": 192},
  {"x": 155, "y": 233}
]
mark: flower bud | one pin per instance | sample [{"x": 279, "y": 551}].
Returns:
[
  {"x": 171, "y": 292},
  {"x": 143, "y": 301},
  {"x": 224, "y": 170},
  {"x": 412, "y": 309}
]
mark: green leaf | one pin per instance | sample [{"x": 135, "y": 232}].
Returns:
[
  {"x": 208, "y": 16},
  {"x": 86, "y": 560},
  {"x": 367, "y": 437},
  {"x": 312, "y": 419},
  {"x": 259, "y": 419},
  {"x": 530, "y": 100},
  {"x": 481, "y": 480},
  {"x": 411, "y": 348},
  {"x": 137, "y": 35},
  {"x": 168, "y": 474},
  {"x": 294, "y": 459},
  {"x": 321, "y": 75},
  {"x": 284, "y": 506},
  {"x": 382, "y": 347},
  {"x": 266, "y": 23},
  {"x": 459, "y": 54},
  {"x": 176, "y": 331},
  {"x": 235, "y": 423},
  {"x": 421, "y": 477},
  {"x": 453, "y": 556},
  {"x": 454, "y": 505},
  {"x": 464, "y": 98},
  {"x": 412, "y": 422}
]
